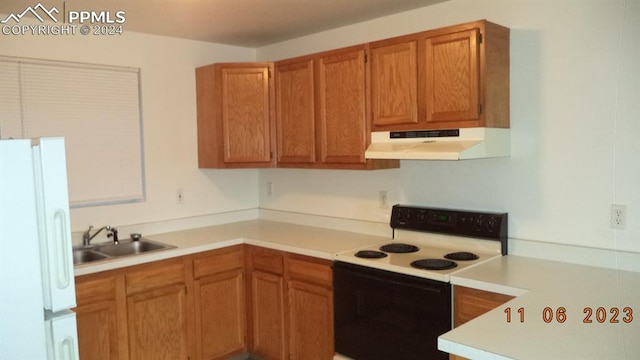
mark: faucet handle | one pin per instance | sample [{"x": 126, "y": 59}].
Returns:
[
  {"x": 86, "y": 234},
  {"x": 113, "y": 232}
]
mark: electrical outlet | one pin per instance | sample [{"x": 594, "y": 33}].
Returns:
[
  {"x": 179, "y": 197},
  {"x": 383, "y": 200},
  {"x": 269, "y": 189},
  {"x": 618, "y": 216}
]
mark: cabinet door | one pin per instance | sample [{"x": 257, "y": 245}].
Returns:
[
  {"x": 470, "y": 303},
  {"x": 394, "y": 84},
  {"x": 97, "y": 330},
  {"x": 341, "y": 96},
  {"x": 452, "y": 77},
  {"x": 246, "y": 114},
  {"x": 97, "y": 320},
  {"x": 157, "y": 310},
  {"x": 311, "y": 321},
  {"x": 220, "y": 321},
  {"x": 268, "y": 315},
  {"x": 157, "y": 324},
  {"x": 295, "y": 118}
]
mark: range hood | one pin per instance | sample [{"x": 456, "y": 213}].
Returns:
[{"x": 446, "y": 144}]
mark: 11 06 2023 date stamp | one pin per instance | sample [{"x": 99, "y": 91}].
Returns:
[{"x": 560, "y": 315}]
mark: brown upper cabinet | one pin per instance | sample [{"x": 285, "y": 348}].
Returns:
[
  {"x": 318, "y": 110},
  {"x": 235, "y": 115},
  {"x": 452, "y": 77},
  {"x": 341, "y": 106},
  {"x": 321, "y": 111},
  {"x": 295, "y": 112},
  {"x": 394, "y": 82}
]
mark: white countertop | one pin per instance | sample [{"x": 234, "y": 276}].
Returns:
[
  {"x": 540, "y": 284},
  {"x": 299, "y": 239}
]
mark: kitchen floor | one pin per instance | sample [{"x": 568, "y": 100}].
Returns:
[{"x": 245, "y": 357}]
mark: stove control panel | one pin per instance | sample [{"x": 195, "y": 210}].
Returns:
[{"x": 486, "y": 225}]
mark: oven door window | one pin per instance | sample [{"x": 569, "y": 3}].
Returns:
[{"x": 383, "y": 315}]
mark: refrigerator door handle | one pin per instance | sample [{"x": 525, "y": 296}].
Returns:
[
  {"x": 67, "y": 349},
  {"x": 60, "y": 230}
]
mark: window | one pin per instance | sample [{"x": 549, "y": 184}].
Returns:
[{"x": 96, "y": 108}]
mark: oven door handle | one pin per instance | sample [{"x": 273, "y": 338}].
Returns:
[{"x": 362, "y": 272}]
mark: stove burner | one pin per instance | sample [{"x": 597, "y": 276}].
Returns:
[
  {"x": 370, "y": 254},
  {"x": 433, "y": 264},
  {"x": 399, "y": 248},
  {"x": 462, "y": 256}
]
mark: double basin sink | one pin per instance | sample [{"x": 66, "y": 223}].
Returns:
[{"x": 92, "y": 253}]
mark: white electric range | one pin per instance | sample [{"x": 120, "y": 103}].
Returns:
[
  {"x": 434, "y": 243},
  {"x": 393, "y": 301}
]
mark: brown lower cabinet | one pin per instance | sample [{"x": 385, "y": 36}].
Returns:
[
  {"x": 202, "y": 306},
  {"x": 470, "y": 303},
  {"x": 292, "y": 305},
  {"x": 138, "y": 312},
  {"x": 219, "y": 303},
  {"x": 102, "y": 334},
  {"x": 310, "y": 296}
]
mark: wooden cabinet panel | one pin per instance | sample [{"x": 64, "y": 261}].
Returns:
[
  {"x": 268, "y": 306},
  {"x": 271, "y": 261},
  {"x": 219, "y": 303},
  {"x": 157, "y": 324},
  {"x": 291, "y": 305},
  {"x": 235, "y": 121},
  {"x": 310, "y": 270},
  {"x": 321, "y": 112},
  {"x": 157, "y": 310},
  {"x": 341, "y": 97},
  {"x": 245, "y": 114},
  {"x": 295, "y": 112},
  {"x": 96, "y": 317},
  {"x": 453, "y": 76},
  {"x": 220, "y": 315},
  {"x": 90, "y": 289},
  {"x": 155, "y": 275},
  {"x": 311, "y": 321},
  {"x": 97, "y": 330},
  {"x": 470, "y": 303},
  {"x": 217, "y": 261},
  {"x": 462, "y": 79},
  {"x": 394, "y": 83}
]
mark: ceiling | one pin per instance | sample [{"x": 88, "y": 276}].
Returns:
[{"x": 250, "y": 23}]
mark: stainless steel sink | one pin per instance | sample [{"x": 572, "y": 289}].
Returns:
[
  {"x": 125, "y": 248},
  {"x": 84, "y": 255}
]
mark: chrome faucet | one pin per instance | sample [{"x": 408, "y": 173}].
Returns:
[{"x": 87, "y": 237}]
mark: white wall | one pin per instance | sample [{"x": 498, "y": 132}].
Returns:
[
  {"x": 169, "y": 122},
  {"x": 575, "y": 96},
  {"x": 575, "y": 100}
]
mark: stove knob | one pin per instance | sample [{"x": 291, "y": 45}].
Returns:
[
  {"x": 492, "y": 223},
  {"x": 402, "y": 216},
  {"x": 479, "y": 223}
]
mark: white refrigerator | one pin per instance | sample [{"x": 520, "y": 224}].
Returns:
[{"x": 37, "y": 286}]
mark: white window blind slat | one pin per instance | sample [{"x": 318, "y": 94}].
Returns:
[
  {"x": 97, "y": 110},
  {"x": 10, "y": 117}
]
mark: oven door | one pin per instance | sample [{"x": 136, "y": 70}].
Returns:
[{"x": 381, "y": 315}]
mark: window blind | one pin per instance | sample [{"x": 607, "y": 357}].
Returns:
[{"x": 97, "y": 110}]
